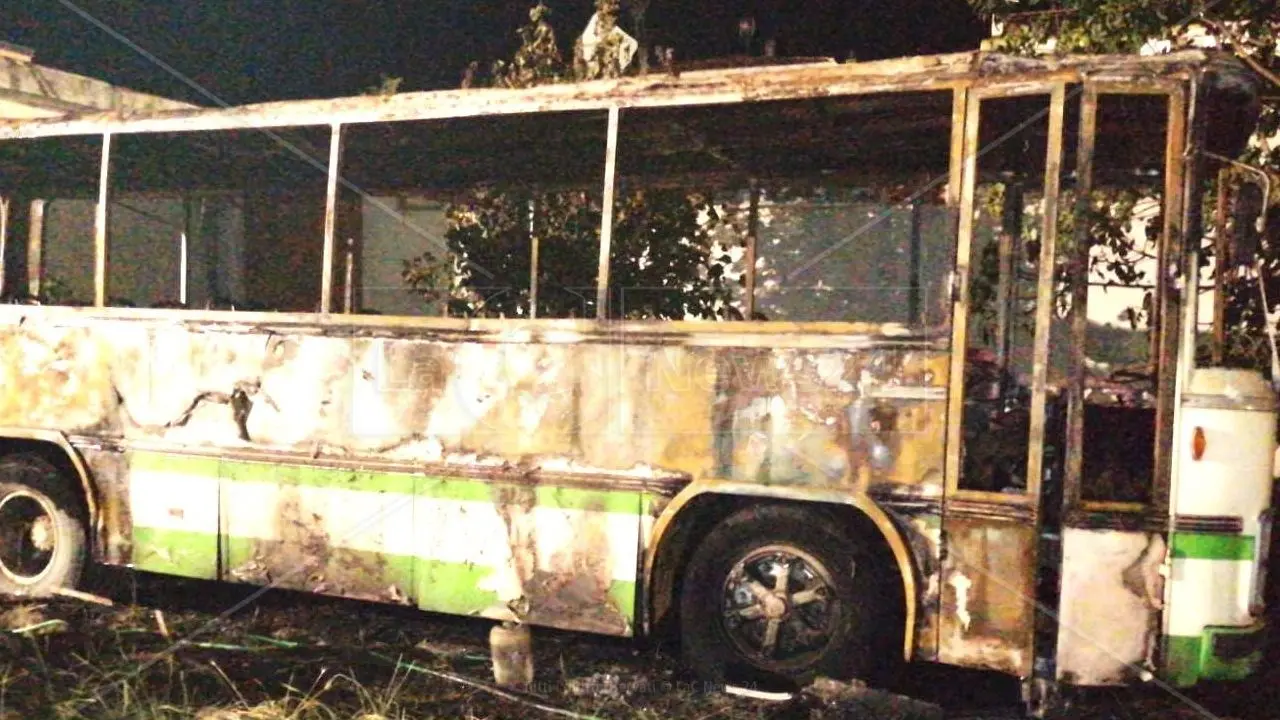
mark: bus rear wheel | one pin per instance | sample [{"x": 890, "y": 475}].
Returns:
[
  {"x": 777, "y": 593},
  {"x": 43, "y": 541}
]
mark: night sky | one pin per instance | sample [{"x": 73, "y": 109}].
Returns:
[{"x": 256, "y": 50}]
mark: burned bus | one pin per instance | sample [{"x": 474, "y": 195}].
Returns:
[{"x": 817, "y": 365}]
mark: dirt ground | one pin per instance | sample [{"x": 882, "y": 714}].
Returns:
[{"x": 178, "y": 649}]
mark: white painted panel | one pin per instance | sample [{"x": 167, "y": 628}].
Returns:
[
  {"x": 1234, "y": 476},
  {"x": 1106, "y": 619},
  {"x": 1209, "y": 592},
  {"x": 172, "y": 501}
]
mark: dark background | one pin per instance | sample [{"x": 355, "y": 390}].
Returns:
[{"x": 255, "y": 50}]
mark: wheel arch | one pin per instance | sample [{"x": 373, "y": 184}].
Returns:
[
  {"x": 700, "y": 506},
  {"x": 55, "y": 447}
]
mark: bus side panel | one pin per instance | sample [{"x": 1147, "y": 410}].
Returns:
[
  {"x": 553, "y": 438},
  {"x": 173, "y": 503},
  {"x": 651, "y": 416},
  {"x": 60, "y": 378},
  {"x": 1109, "y": 614},
  {"x": 554, "y": 544},
  {"x": 330, "y": 530},
  {"x": 109, "y": 476},
  {"x": 550, "y": 555}
]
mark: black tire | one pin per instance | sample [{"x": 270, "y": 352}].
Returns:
[
  {"x": 849, "y": 631},
  {"x": 43, "y": 538}
]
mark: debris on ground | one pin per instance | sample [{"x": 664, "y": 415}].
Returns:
[
  {"x": 83, "y": 596},
  {"x": 29, "y": 620},
  {"x": 600, "y": 686},
  {"x": 20, "y": 616},
  {"x": 755, "y": 694},
  {"x": 451, "y": 650},
  {"x": 828, "y": 699}
]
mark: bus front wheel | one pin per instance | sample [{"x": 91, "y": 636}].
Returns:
[
  {"x": 43, "y": 540},
  {"x": 777, "y": 592}
]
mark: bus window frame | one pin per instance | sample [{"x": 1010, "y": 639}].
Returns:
[
  {"x": 960, "y": 85},
  {"x": 1165, "y": 360},
  {"x": 102, "y": 236},
  {"x": 1054, "y": 92}
]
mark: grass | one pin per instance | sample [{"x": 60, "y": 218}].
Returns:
[
  {"x": 161, "y": 653},
  {"x": 294, "y": 657}
]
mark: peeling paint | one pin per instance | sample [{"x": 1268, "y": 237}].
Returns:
[
  {"x": 986, "y": 619},
  {"x": 518, "y": 416},
  {"x": 962, "y": 585}
]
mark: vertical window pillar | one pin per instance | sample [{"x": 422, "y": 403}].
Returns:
[
  {"x": 100, "y": 226},
  {"x": 330, "y": 219},
  {"x": 606, "y": 216},
  {"x": 35, "y": 248}
]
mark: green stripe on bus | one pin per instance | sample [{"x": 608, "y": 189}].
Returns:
[
  {"x": 1211, "y": 546},
  {"x": 176, "y": 552},
  {"x": 1189, "y": 659},
  {"x": 1183, "y": 656},
  {"x": 198, "y": 465},
  {"x": 453, "y": 588},
  {"x": 316, "y": 567},
  {"x": 622, "y": 595},
  {"x": 434, "y": 585},
  {"x": 435, "y": 487}
]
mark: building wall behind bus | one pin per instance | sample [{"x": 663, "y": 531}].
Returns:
[
  {"x": 144, "y": 257},
  {"x": 396, "y": 229}
]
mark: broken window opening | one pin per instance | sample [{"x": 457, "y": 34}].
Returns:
[
  {"x": 1009, "y": 213},
  {"x": 53, "y": 186},
  {"x": 813, "y": 210},
  {"x": 445, "y": 215},
  {"x": 1126, "y": 232},
  {"x": 223, "y": 220}
]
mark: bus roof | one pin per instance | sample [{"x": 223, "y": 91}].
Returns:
[{"x": 657, "y": 89}]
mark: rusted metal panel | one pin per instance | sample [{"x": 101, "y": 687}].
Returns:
[
  {"x": 1079, "y": 279},
  {"x": 959, "y": 109},
  {"x": 606, "y": 215},
  {"x": 112, "y": 544},
  {"x": 749, "y": 257},
  {"x": 960, "y": 294},
  {"x": 1045, "y": 293},
  {"x": 987, "y": 609},
  {"x": 35, "y": 247},
  {"x": 1168, "y": 299},
  {"x": 988, "y": 614},
  {"x": 920, "y": 519},
  {"x": 1221, "y": 241},
  {"x": 330, "y": 220}
]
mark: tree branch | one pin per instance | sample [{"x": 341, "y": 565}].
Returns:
[{"x": 1249, "y": 60}]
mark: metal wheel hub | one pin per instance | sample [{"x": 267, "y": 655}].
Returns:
[
  {"x": 42, "y": 533},
  {"x": 779, "y": 606},
  {"x": 775, "y": 606},
  {"x": 27, "y": 538}
]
